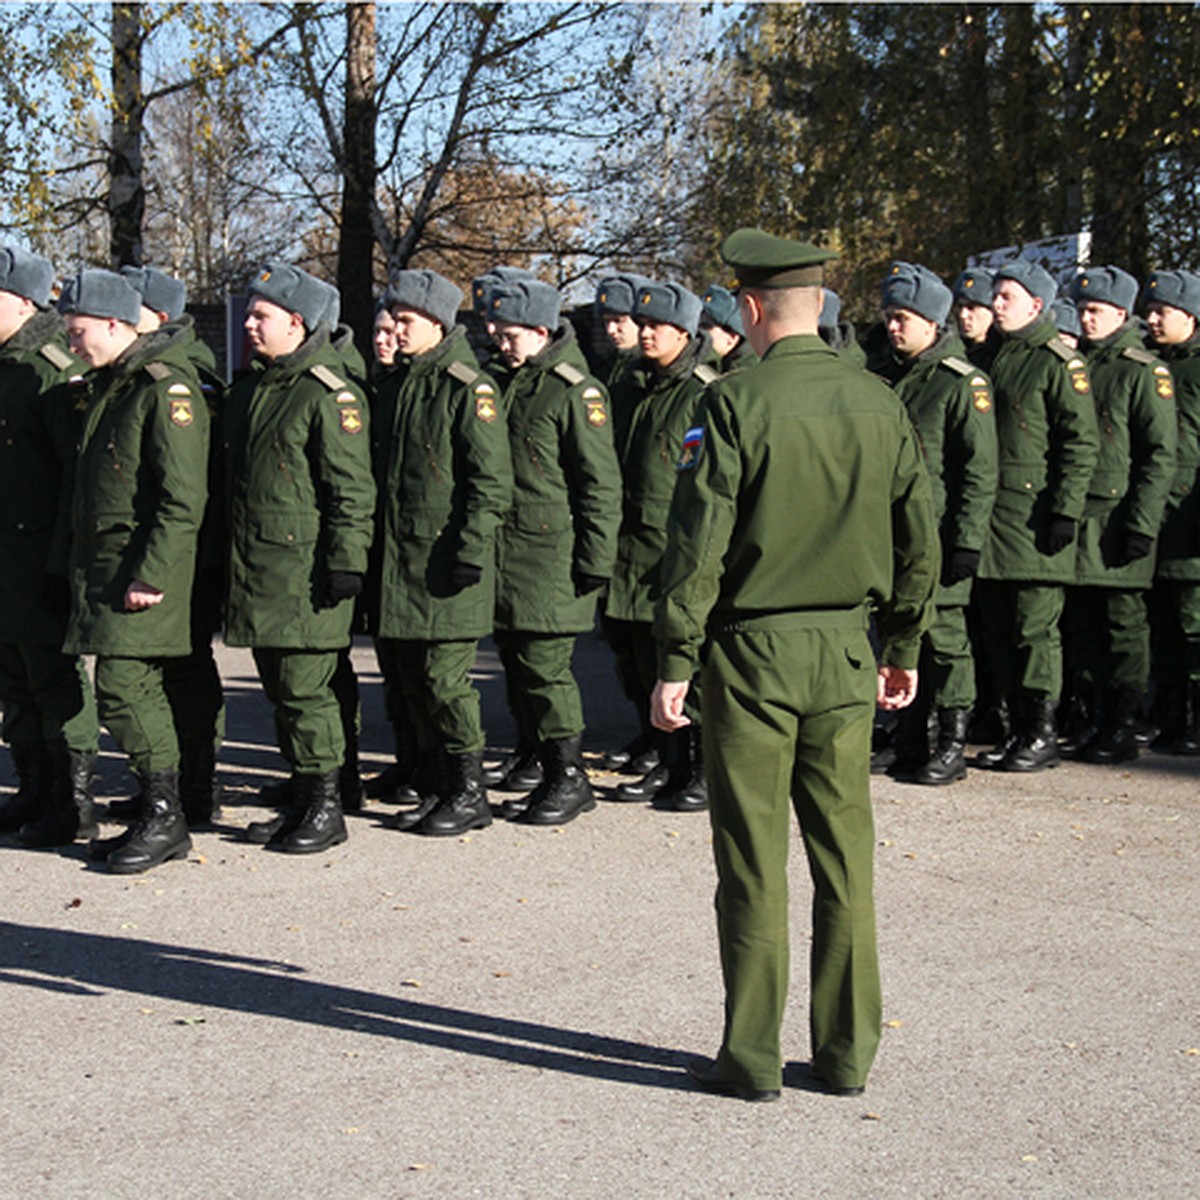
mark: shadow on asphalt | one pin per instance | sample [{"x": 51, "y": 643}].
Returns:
[{"x": 86, "y": 965}]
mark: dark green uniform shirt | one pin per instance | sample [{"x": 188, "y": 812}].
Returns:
[
  {"x": 300, "y": 498},
  {"x": 950, "y": 403},
  {"x": 566, "y": 495},
  {"x": 41, "y": 413},
  {"x": 445, "y": 481},
  {"x": 1179, "y": 539},
  {"x": 1135, "y": 410},
  {"x": 1047, "y": 442},
  {"x": 653, "y": 410},
  {"x": 140, "y": 489},
  {"x": 801, "y": 488}
]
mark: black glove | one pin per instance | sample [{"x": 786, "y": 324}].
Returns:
[
  {"x": 586, "y": 584},
  {"x": 56, "y": 595},
  {"x": 465, "y": 575},
  {"x": 342, "y": 585},
  {"x": 1060, "y": 535},
  {"x": 1136, "y": 545},
  {"x": 962, "y": 564}
]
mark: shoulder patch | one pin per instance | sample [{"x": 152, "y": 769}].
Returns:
[
  {"x": 595, "y": 408},
  {"x": 158, "y": 371},
  {"x": 182, "y": 413},
  {"x": 56, "y": 356},
  {"x": 345, "y": 398},
  {"x": 1061, "y": 349},
  {"x": 693, "y": 443},
  {"x": 485, "y": 402},
  {"x": 322, "y": 374},
  {"x": 179, "y": 389},
  {"x": 1163, "y": 383},
  {"x": 351, "y": 420},
  {"x": 461, "y": 372},
  {"x": 573, "y": 375},
  {"x": 1139, "y": 354},
  {"x": 706, "y": 374},
  {"x": 959, "y": 366}
]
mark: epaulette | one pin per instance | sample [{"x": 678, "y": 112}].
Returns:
[
  {"x": 1140, "y": 355},
  {"x": 158, "y": 371},
  {"x": 461, "y": 372},
  {"x": 322, "y": 374},
  {"x": 573, "y": 375},
  {"x": 959, "y": 366},
  {"x": 56, "y": 356},
  {"x": 705, "y": 372},
  {"x": 1063, "y": 350}
]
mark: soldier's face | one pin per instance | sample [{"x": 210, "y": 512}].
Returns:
[
  {"x": 723, "y": 342},
  {"x": 974, "y": 320},
  {"x": 384, "y": 338},
  {"x": 519, "y": 343},
  {"x": 1014, "y": 306},
  {"x": 97, "y": 340},
  {"x": 272, "y": 330},
  {"x": 415, "y": 332},
  {"x": 660, "y": 342},
  {"x": 1099, "y": 320},
  {"x": 1170, "y": 326},
  {"x": 909, "y": 332},
  {"x": 621, "y": 329},
  {"x": 14, "y": 312}
]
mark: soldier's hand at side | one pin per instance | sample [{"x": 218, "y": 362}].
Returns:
[
  {"x": 585, "y": 584},
  {"x": 342, "y": 585},
  {"x": 1060, "y": 534},
  {"x": 897, "y": 688},
  {"x": 465, "y": 575},
  {"x": 1135, "y": 546},
  {"x": 139, "y": 596},
  {"x": 962, "y": 564},
  {"x": 666, "y": 706}
]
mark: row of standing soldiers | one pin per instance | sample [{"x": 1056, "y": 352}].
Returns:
[{"x": 146, "y": 508}]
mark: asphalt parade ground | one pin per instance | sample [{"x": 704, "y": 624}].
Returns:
[{"x": 506, "y": 1013}]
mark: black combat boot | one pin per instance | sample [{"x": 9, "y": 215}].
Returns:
[
  {"x": 396, "y": 784},
  {"x": 948, "y": 763},
  {"x": 465, "y": 806},
  {"x": 274, "y": 829},
  {"x": 1188, "y": 740},
  {"x": 991, "y": 759},
  {"x": 1116, "y": 741},
  {"x": 566, "y": 791},
  {"x": 636, "y": 758},
  {"x": 70, "y": 813},
  {"x": 322, "y": 826},
  {"x": 1078, "y": 718},
  {"x": 912, "y": 739},
  {"x": 687, "y": 790},
  {"x": 277, "y": 792},
  {"x": 1170, "y": 714},
  {"x": 1036, "y": 747},
  {"x": 32, "y": 797},
  {"x": 429, "y": 785},
  {"x": 127, "y": 808},
  {"x": 199, "y": 791},
  {"x": 520, "y": 771},
  {"x": 160, "y": 833}
]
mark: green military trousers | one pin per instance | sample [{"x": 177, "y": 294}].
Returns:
[
  {"x": 435, "y": 679},
  {"x": 193, "y": 682},
  {"x": 1106, "y": 637},
  {"x": 308, "y": 718},
  {"x": 788, "y": 706},
  {"x": 542, "y": 691},
  {"x": 1020, "y": 629},
  {"x": 1174, "y": 606},
  {"x": 947, "y": 664},
  {"x": 132, "y": 698},
  {"x": 47, "y": 700}
]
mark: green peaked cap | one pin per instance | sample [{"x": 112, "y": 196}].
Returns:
[{"x": 763, "y": 260}]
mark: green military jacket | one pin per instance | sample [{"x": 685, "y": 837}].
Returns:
[
  {"x": 566, "y": 502},
  {"x": 950, "y": 403},
  {"x": 140, "y": 489},
  {"x": 299, "y": 498},
  {"x": 742, "y": 355},
  {"x": 1135, "y": 410},
  {"x": 1047, "y": 441},
  {"x": 1179, "y": 538},
  {"x": 445, "y": 481},
  {"x": 42, "y": 398},
  {"x": 801, "y": 489},
  {"x": 652, "y": 410}
]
